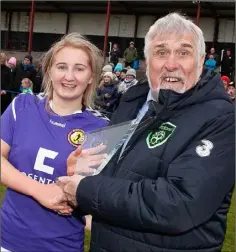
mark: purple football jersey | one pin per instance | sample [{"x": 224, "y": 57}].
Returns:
[{"x": 40, "y": 144}]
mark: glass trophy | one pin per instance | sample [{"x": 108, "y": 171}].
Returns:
[{"x": 102, "y": 144}]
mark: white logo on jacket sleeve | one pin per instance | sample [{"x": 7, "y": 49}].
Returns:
[{"x": 204, "y": 150}]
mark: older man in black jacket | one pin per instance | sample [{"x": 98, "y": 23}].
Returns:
[{"x": 169, "y": 186}]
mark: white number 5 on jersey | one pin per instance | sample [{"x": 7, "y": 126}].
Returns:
[{"x": 39, "y": 162}]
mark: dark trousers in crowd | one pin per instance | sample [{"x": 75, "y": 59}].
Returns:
[
  {"x": 128, "y": 64},
  {"x": 5, "y": 102}
]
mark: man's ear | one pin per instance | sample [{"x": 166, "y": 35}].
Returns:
[{"x": 202, "y": 60}]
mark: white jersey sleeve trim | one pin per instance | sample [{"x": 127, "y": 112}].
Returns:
[
  {"x": 13, "y": 108},
  {"x": 4, "y": 250},
  {"x": 97, "y": 113},
  {"x": 41, "y": 95}
]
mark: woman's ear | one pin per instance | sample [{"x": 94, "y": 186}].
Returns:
[
  {"x": 90, "y": 81},
  {"x": 49, "y": 73}
]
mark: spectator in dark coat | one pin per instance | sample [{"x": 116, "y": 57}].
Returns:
[
  {"x": 12, "y": 65},
  {"x": 117, "y": 70},
  {"x": 115, "y": 54},
  {"x": 227, "y": 64},
  {"x": 107, "y": 93},
  {"x": 5, "y": 83},
  {"x": 25, "y": 69},
  {"x": 39, "y": 78}
]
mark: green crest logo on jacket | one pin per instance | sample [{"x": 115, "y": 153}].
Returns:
[{"x": 159, "y": 137}]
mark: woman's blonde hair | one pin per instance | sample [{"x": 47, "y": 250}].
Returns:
[
  {"x": 30, "y": 83},
  {"x": 4, "y": 56},
  {"x": 77, "y": 41},
  {"x": 101, "y": 84}
]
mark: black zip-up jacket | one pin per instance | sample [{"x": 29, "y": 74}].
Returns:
[
  {"x": 115, "y": 54},
  {"x": 5, "y": 77},
  {"x": 172, "y": 187}
]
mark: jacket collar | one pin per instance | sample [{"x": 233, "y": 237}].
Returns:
[{"x": 208, "y": 87}]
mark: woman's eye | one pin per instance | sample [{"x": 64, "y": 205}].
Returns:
[
  {"x": 61, "y": 67},
  {"x": 79, "y": 69}
]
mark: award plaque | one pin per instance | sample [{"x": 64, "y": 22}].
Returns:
[{"x": 103, "y": 142}]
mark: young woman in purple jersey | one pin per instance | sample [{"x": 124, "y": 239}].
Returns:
[{"x": 37, "y": 137}]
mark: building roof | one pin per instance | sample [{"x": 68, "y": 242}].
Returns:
[{"x": 220, "y": 9}]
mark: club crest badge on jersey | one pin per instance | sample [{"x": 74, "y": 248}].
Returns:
[
  {"x": 76, "y": 137},
  {"x": 159, "y": 137}
]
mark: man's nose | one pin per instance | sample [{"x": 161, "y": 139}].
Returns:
[{"x": 171, "y": 63}]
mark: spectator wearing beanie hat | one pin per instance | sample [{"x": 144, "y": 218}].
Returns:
[
  {"x": 130, "y": 54},
  {"x": 25, "y": 69},
  {"x": 12, "y": 62},
  {"x": 107, "y": 68},
  {"x": 108, "y": 74},
  {"x": 225, "y": 79},
  {"x": 28, "y": 59},
  {"x": 128, "y": 82},
  {"x": 12, "y": 65},
  {"x": 118, "y": 67},
  {"x": 117, "y": 70},
  {"x": 107, "y": 93},
  {"x": 131, "y": 72}
]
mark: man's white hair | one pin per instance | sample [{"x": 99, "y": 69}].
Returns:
[{"x": 174, "y": 23}]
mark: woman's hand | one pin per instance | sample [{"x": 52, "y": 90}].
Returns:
[
  {"x": 87, "y": 159},
  {"x": 53, "y": 197}
]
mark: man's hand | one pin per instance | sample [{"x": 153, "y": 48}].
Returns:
[
  {"x": 88, "y": 160},
  {"x": 53, "y": 197},
  {"x": 3, "y": 92},
  {"x": 69, "y": 185}
]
